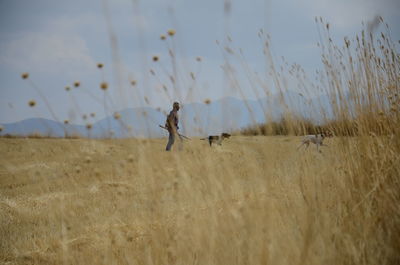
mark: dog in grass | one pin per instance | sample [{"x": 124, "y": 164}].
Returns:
[
  {"x": 317, "y": 139},
  {"x": 217, "y": 139}
]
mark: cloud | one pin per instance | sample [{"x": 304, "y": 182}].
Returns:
[
  {"x": 61, "y": 46},
  {"x": 65, "y": 44},
  {"x": 47, "y": 53},
  {"x": 350, "y": 13},
  {"x": 76, "y": 23}
]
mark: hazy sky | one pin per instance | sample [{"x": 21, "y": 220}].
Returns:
[{"x": 59, "y": 42}]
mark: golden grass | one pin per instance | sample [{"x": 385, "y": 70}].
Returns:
[
  {"x": 253, "y": 200},
  {"x": 41, "y": 136}
]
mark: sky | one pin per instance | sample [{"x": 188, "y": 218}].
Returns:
[{"x": 61, "y": 42}]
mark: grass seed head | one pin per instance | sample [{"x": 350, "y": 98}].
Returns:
[
  {"x": 117, "y": 116},
  {"x": 32, "y": 103},
  {"x": 25, "y": 75},
  {"x": 104, "y": 86},
  {"x": 163, "y": 37},
  {"x": 89, "y": 126},
  {"x": 155, "y": 58},
  {"x": 100, "y": 65},
  {"x": 77, "y": 84},
  {"x": 171, "y": 32}
]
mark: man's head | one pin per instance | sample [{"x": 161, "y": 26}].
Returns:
[{"x": 175, "y": 105}]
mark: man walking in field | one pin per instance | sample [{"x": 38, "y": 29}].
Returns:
[{"x": 172, "y": 125}]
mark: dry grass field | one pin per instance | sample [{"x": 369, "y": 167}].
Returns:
[{"x": 253, "y": 200}]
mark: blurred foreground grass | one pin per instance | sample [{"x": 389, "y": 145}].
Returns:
[{"x": 253, "y": 200}]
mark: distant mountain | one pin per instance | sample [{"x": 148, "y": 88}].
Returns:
[{"x": 196, "y": 119}]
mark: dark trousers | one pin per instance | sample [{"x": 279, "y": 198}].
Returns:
[{"x": 171, "y": 141}]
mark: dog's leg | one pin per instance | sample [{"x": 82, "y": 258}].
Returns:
[
  {"x": 298, "y": 147},
  {"x": 319, "y": 151},
  {"x": 210, "y": 142}
]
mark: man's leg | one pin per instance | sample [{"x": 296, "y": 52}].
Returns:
[{"x": 171, "y": 140}]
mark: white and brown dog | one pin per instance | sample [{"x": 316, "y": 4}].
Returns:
[
  {"x": 216, "y": 138},
  {"x": 317, "y": 139}
]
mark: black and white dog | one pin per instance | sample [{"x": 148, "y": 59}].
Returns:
[{"x": 216, "y": 138}]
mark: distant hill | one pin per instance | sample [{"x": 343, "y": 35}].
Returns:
[{"x": 196, "y": 119}]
